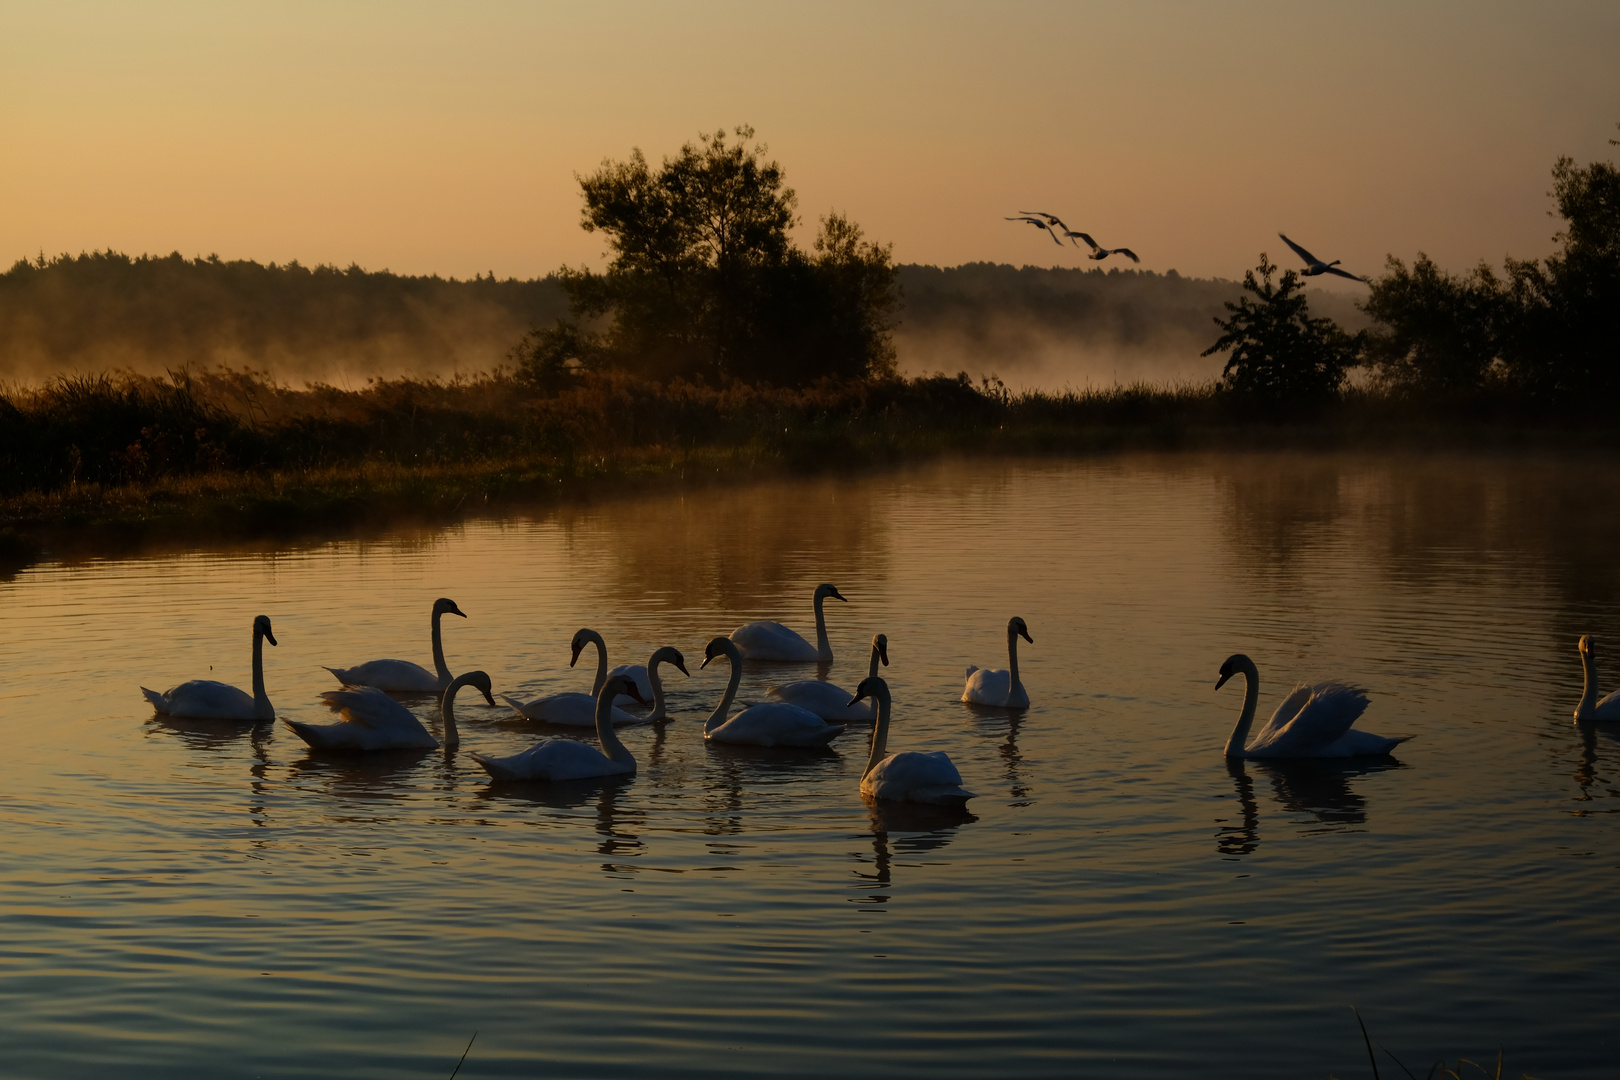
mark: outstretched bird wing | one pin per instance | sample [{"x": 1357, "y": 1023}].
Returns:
[
  {"x": 1088, "y": 240},
  {"x": 1310, "y": 260},
  {"x": 1128, "y": 253},
  {"x": 1327, "y": 713},
  {"x": 1051, "y": 219},
  {"x": 1348, "y": 274}
]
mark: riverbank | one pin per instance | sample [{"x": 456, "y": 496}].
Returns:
[{"x": 235, "y": 454}]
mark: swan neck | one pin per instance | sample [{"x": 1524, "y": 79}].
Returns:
[
  {"x": 1251, "y": 698},
  {"x": 1012, "y": 659},
  {"x": 880, "y": 732},
  {"x": 439, "y": 666},
  {"x": 1589, "y": 694},
  {"x": 718, "y": 717},
  {"x": 611, "y": 746},
  {"x": 261, "y": 700},
  {"x": 447, "y": 712},
  {"x": 601, "y": 664},
  {"x": 872, "y": 668},
  {"x": 658, "y": 691},
  {"x": 823, "y": 646}
]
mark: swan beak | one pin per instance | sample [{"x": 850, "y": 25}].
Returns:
[
  {"x": 489, "y": 697},
  {"x": 1222, "y": 680},
  {"x": 458, "y": 611},
  {"x": 682, "y": 665},
  {"x": 630, "y": 688},
  {"x": 575, "y": 658},
  {"x": 853, "y": 700},
  {"x": 268, "y": 636},
  {"x": 835, "y": 595},
  {"x": 883, "y": 654},
  {"x": 1025, "y": 635},
  {"x": 703, "y": 665}
]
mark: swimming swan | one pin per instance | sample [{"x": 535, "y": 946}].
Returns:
[
  {"x": 774, "y": 723},
  {"x": 205, "y": 699},
  {"x": 570, "y": 759},
  {"x": 573, "y": 709},
  {"x": 828, "y": 701},
  {"x": 993, "y": 686},
  {"x": 1312, "y": 722},
  {"x": 773, "y": 641},
  {"x": 402, "y": 676},
  {"x": 909, "y": 776},
  {"x": 1591, "y": 707},
  {"x": 648, "y": 684},
  {"x": 374, "y": 721}
]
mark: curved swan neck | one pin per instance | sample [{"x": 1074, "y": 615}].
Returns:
[
  {"x": 872, "y": 668},
  {"x": 823, "y": 646},
  {"x": 261, "y": 700},
  {"x": 611, "y": 746},
  {"x": 439, "y": 666},
  {"x": 447, "y": 711},
  {"x": 657, "y": 689},
  {"x": 1251, "y": 698},
  {"x": 1589, "y": 694},
  {"x": 601, "y": 662},
  {"x": 718, "y": 717},
  {"x": 880, "y": 731}
]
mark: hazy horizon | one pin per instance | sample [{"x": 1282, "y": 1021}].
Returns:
[{"x": 427, "y": 139}]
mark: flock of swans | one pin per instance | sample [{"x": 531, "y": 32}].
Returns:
[
  {"x": 1051, "y": 223},
  {"x": 1313, "y": 721}
]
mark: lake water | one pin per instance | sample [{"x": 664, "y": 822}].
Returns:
[{"x": 214, "y": 899}]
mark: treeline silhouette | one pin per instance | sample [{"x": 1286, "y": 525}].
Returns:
[{"x": 105, "y": 310}]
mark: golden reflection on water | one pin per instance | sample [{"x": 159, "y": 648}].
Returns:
[{"x": 1103, "y": 904}]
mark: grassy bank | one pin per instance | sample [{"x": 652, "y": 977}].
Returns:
[{"x": 239, "y": 453}]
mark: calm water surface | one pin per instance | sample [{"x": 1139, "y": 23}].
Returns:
[{"x": 215, "y": 899}]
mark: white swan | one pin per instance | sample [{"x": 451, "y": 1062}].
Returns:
[
  {"x": 402, "y": 676},
  {"x": 574, "y": 709},
  {"x": 647, "y": 675},
  {"x": 828, "y": 701},
  {"x": 206, "y": 699},
  {"x": 771, "y": 724},
  {"x": 1591, "y": 706},
  {"x": 570, "y": 759},
  {"x": 374, "y": 721},
  {"x": 773, "y": 641},
  {"x": 909, "y": 776},
  {"x": 1312, "y": 722},
  {"x": 993, "y": 686}
]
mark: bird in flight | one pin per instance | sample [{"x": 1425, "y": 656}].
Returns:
[
  {"x": 1039, "y": 224},
  {"x": 1314, "y": 266},
  {"x": 1051, "y": 219},
  {"x": 1098, "y": 252}
]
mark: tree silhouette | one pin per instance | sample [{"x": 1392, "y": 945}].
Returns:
[{"x": 1280, "y": 355}]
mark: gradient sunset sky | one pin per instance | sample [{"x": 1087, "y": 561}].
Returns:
[{"x": 444, "y": 138}]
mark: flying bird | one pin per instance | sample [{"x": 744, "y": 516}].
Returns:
[
  {"x": 1098, "y": 252},
  {"x": 1051, "y": 219},
  {"x": 1039, "y": 224},
  {"x": 1314, "y": 266}
]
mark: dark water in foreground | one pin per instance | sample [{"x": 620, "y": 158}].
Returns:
[{"x": 212, "y": 899}]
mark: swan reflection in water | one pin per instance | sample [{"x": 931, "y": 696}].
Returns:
[
  {"x": 921, "y": 829},
  {"x": 1004, "y": 722},
  {"x": 1319, "y": 787},
  {"x": 617, "y": 827},
  {"x": 217, "y": 737},
  {"x": 1591, "y": 784}
]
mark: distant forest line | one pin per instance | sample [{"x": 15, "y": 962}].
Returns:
[{"x": 148, "y": 314}]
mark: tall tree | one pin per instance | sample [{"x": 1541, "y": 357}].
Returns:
[{"x": 1280, "y": 355}]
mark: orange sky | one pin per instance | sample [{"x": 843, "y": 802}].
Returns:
[{"x": 445, "y": 138}]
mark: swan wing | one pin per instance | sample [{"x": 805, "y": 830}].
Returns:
[
  {"x": 370, "y": 708},
  {"x": 771, "y": 641},
  {"x": 1321, "y": 720},
  {"x": 1346, "y": 273},
  {"x": 1287, "y": 709},
  {"x": 638, "y": 673},
  {"x": 1301, "y": 252},
  {"x": 826, "y": 700},
  {"x": 987, "y": 686},
  {"x": 572, "y": 709},
  {"x": 775, "y": 723},
  {"x": 1607, "y": 708},
  {"x": 1128, "y": 253},
  {"x": 911, "y": 776},
  {"x": 1092, "y": 244},
  {"x": 554, "y": 759},
  {"x": 401, "y": 676},
  {"x": 203, "y": 699}
]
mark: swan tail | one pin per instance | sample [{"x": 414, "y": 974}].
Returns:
[
  {"x": 971, "y": 668},
  {"x": 517, "y": 707},
  {"x": 495, "y": 767},
  {"x": 159, "y": 702},
  {"x": 341, "y": 674},
  {"x": 303, "y": 731}
]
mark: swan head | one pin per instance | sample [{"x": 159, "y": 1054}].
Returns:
[
  {"x": 823, "y": 591},
  {"x": 479, "y": 680},
  {"x": 1234, "y": 665},
  {"x": 1584, "y": 646},
  {"x": 717, "y": 647},
  {"x": 1017, "y": 626},
  {"x": 582, "y": 638},
  {"x": 261, "y": 627},
  {"x": 669, "y": 655},
  {"x": 446, "y": 606},
  {"x": 622, "y": 684},
  {"x": 872, "y": 686},
  {"x": 880, "y": 642}
]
